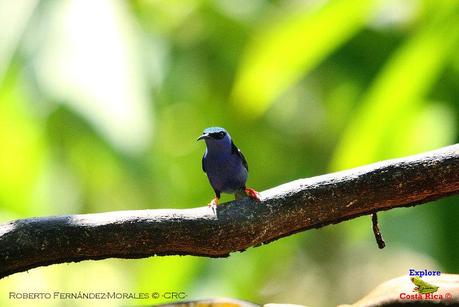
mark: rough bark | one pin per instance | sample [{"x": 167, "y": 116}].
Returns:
[{"x": 235, "y": 226}]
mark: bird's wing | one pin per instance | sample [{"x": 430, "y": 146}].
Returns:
[
  {"x": 235, "y": 150},
  {"x": 203, "y": 164}
]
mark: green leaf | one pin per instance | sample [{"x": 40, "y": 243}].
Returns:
[
  {"x": 14, "y": 17},
  {"x": 286, "y": 50},
  {"x": 398, "y": 94}
]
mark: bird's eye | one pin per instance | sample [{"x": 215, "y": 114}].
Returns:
[{"x": 221, "y": 134}]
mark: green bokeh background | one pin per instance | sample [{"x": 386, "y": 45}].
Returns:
[{"x": 101, "y": 103}]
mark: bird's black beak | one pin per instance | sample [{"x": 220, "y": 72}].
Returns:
[{"x": 203, "y": 137}]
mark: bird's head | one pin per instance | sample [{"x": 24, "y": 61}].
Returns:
[{"x": 216, "y": 137}]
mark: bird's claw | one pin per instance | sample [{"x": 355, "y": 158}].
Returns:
[
  {"x": 252, "y": 194},
  {"x": 213, "y": 204}
]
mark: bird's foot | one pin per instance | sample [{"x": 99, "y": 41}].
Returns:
[
  {"x": 214, "y": 203},
  {"x": 252, "y": 194}
]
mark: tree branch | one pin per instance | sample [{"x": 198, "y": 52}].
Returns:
[{"x": 235, "y": 226}]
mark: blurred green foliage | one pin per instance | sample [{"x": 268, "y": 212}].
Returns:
[{"x": 101, "y": 103}]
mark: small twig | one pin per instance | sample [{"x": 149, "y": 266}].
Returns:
[{"x": 378, "y": 235}]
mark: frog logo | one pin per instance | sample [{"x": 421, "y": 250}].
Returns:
[{"x": 422, "y": 286}]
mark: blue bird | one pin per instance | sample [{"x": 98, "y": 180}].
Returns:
[{"x": 225, "y": 165}]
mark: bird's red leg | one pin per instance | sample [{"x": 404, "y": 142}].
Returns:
[
  {"x": 214, "y": 202},
  {"x": 252, "y": 194}
]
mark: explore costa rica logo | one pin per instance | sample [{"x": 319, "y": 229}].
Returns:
[{"x": 424, "y": 290}]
